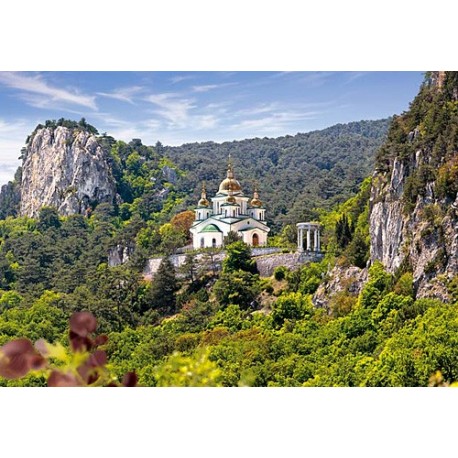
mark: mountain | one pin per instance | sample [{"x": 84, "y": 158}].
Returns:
[
  {"x": 295, "y": 174},
  {"x": 67, "y": 168},
  {"x": 368, "y": 314},
  {"x": 414, "y": 196}
]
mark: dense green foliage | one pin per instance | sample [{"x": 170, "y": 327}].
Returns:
[
  {"x": 243, "y": 330},
  {"x": 296, "y": 174},
  {"x": 346, "y": 229},
  {"x": 212, "y": 325},
  {"x": 429, "y": 126}
]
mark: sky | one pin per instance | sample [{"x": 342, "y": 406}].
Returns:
[{"x": 184, "y": 107}]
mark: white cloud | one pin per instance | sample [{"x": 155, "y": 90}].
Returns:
[
  {"x": 125, "y": 94},
  {"x": 12, "y": 139},
  {"x": 352, "y": 76},
  {"x": 180, "y": 78},
  {"x": 172, "y": 107},
  {"x": 259, "y": 109},
  {"x": 39, "y": 93},
  {"x": 210, "y": 87},
  {"x": 274, "y": 123},
  {"x": 7, "y": 173},
  {"x": 206, "y": 121},
  {"x": 314, "y": 79}
]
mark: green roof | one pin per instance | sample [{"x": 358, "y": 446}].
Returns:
[{"x": 210, "y": 228}]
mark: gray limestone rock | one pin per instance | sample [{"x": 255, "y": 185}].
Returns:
[
  {"x": 425, "y": 238},
  {"x": 338, "y": 279},
  {"x": 65, "y": 168}
]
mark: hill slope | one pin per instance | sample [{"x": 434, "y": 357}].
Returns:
[
  {"x": 414, "y": 201},
  {"x": 295, "y": 174}
]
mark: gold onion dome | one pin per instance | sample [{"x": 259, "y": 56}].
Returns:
[
  {"x": 230, "y": 198},
  {"x": 229, "y": 183},
  {"x": 203, "y": 202},
  {"x": 255, "y": 202}
]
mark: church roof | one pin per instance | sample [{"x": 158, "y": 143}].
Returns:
[
  {"x": 229, "y": 183},
  {"x": 210, "y": 228}
]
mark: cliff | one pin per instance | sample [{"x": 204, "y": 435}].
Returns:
[
  {"x": 67, "y": 168},
  {"x": 414, "y": 195}
]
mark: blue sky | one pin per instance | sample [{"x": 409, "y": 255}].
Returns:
[{"x": 183, "y": 107}]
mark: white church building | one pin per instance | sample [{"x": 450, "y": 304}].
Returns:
[{"x": 229, "y": 211}]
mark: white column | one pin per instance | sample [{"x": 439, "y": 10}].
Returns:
[
  {"x": 300, "y": 239},
  {"x": 315, "y": 239},
  {"x": 308, "y": 238},
  {"x": 318, "y": 238}
]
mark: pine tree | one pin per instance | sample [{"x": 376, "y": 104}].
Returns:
[
  {"x": 164, "y": 288},
  {"x": 343, "y": 231},
  {"x": 189, "y": 267}
]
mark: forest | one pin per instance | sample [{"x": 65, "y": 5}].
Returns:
[
  {"x": 296, "y": 174},
  {"x": 229, "y": 327},
  {"x": 68, "y": 318}
]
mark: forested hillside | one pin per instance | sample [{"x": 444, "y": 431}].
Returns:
[
  {"x": 296, "y": 174},
  {"x": 211, "y": 325}
]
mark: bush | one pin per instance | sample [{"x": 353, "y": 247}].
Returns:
[
  {"x": 280, "y": 273},
  {"x": 292, "y": 306}
]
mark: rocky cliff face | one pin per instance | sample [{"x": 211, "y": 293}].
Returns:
[
  {"x": 414, "y": 200},
  {"x": 65, "y": 168},
  {"x": 339, "y": 279}
]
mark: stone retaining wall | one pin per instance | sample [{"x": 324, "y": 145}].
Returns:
[{"x": 265, "y": 264}]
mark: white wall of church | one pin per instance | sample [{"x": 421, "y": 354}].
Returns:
[
  {"x": 202, "y": 213},
  {"x": 207, "y": 240},
  {"x": 247, "y": 237}
]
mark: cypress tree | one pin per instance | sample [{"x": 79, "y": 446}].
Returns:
[{"x": 164, "y": 288}]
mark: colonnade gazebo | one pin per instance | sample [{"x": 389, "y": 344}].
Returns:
[{"x": 312, "y": 230}]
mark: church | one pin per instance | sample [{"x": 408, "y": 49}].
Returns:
[{"x": 229, "y": 211}]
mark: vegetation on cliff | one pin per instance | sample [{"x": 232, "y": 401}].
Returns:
[{"x": 231, "y": 327}]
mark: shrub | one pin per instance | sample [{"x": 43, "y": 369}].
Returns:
[{"x": 280, "y": 273}]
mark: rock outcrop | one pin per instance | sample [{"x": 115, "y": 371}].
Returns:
[
  {"x": 65, "y": 168},
  {"x": 339, "y": 279},
  {"x": 414, "y": 200}
]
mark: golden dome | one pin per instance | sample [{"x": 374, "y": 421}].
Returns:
[
  {"x": 203, "y": 202},
  {"x": 255, "y": 202},
  {"x": 230, "y": 198},
  {"x": 229, "y": 183}
]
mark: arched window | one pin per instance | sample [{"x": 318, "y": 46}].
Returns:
[
  {"x": 213, "y": 243},
  {"x": 255, "y": 240},
  {"x": 202, "y": 242}
]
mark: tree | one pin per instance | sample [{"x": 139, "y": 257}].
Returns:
[
  {"x": 209, "y": 258},
  {"x": 231, "y": 237},
  {"x": 182, "y": 222},
  {"x": 358, "y": 250},
  {"x": 171, "y": 238},
  {"x": 343, "y": 231},
  {"x": 292, "y": 306},
  {"x": 189, "y": 267},
  {"x": 238, "y": 257},
  {"x": 164, "y": 288},
  {"x": 48, "y": 217},
  {"x": 238, "y": 287}
]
